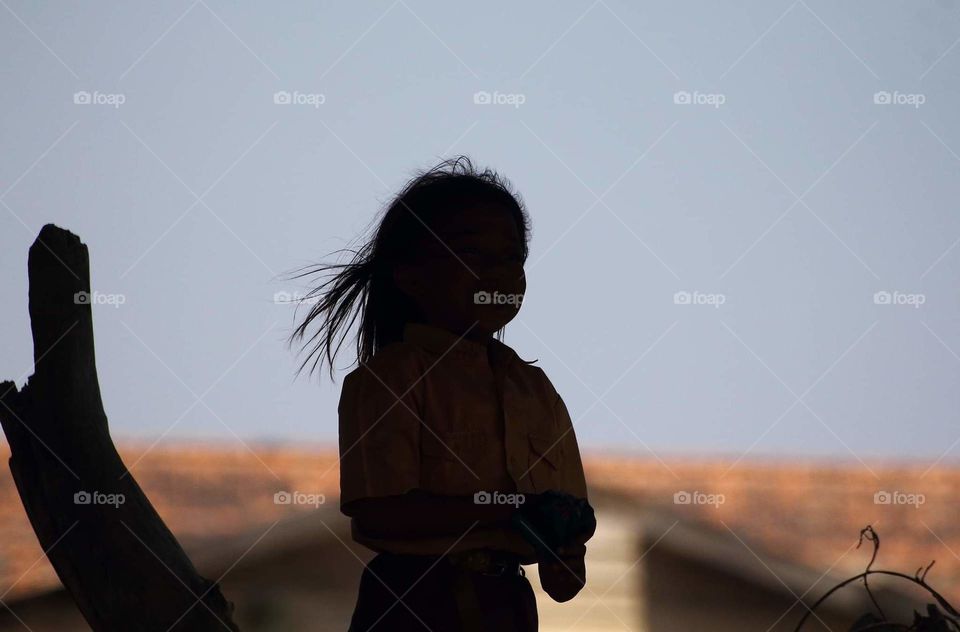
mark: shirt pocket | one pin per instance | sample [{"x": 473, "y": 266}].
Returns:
[
  {"x": 451, "y": 461},
  {"x": 545, "y": 459}
]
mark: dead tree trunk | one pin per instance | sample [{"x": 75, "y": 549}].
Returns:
[{"x": 122, "y": 565}]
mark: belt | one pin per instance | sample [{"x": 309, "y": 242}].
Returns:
[{"x": 487, "y": 562}]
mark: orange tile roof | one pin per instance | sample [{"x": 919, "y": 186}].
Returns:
[
  {"x": 810, "y": 512},
  {"x": 200, "y": 491},
  {"x": 805, "y": 512}
]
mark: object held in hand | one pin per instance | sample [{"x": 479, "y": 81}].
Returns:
[{"x": 553, "y": 519}]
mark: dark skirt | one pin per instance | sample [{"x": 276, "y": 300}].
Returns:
[{"x": 400, "y": 593}]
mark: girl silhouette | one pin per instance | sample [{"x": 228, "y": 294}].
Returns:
[{"x": 448, "y": 439}]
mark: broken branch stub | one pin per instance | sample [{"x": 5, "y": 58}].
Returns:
[{"x": 110, "y": 548}]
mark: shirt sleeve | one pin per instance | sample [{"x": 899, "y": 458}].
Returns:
[
  {"x": 573, "y": 480},
  {"x": 379, "y": 424}
]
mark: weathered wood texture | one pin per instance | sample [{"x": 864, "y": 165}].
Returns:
[{"x": 122, "y": 565}]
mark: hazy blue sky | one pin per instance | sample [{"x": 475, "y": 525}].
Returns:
[{"x": 787, "y": 188}]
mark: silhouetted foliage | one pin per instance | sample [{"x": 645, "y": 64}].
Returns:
[{"x": 939, "y": 617}]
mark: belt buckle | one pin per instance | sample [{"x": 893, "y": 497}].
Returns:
[
  {"x": 498, "y": 570},
  {"x": 482, "y": 562}
]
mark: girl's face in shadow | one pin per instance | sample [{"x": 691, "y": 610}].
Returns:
[{"x": 469, "y": 276}]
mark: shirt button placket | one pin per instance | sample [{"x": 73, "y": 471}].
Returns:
[{"x": 515, "y": 443}]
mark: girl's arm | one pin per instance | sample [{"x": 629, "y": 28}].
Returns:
[
  {"x": 565, "y": 575},
  {"x": 419, "y": 514}
]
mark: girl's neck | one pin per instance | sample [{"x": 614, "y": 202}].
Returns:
[{"x": 467, "y": 333}]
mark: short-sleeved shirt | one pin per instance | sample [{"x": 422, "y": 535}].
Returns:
[{"x": 452, "y": 416}]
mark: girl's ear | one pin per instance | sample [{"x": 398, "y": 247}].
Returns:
[{"x": 407, "y": 280}]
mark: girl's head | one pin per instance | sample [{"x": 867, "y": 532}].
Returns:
[{"x": 447, "y": 251}]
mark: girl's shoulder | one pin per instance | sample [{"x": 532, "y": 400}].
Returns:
[
  {"x": 396, "y": 362},
  {"x": 540, "y": 376},
  {"x": 532, "y": 375}
]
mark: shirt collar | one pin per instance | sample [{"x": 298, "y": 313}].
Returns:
[{"x": 441, "y": 341}]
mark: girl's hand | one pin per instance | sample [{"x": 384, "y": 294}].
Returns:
[
  {"x": 565, "y": 575},
  {"x": 575, "y": 547}
]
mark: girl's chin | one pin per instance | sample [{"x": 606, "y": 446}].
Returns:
[{"x": 495, "y": 318}]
